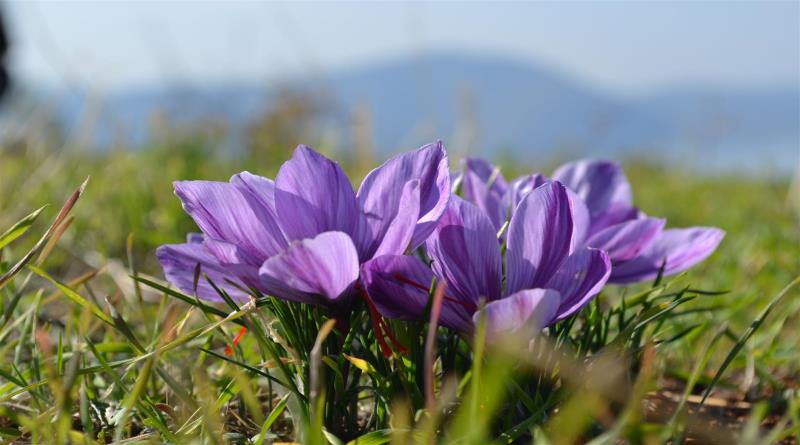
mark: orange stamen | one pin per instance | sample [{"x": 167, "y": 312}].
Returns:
[{"x": 235, "y": 342}]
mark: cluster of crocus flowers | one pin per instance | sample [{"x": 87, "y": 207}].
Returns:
[
  {"x": 605, "y": 218},
  {"x": 548, "y": 277},
  {"x": 528, "y": 253},
  {"x": 303, "y": 236}
]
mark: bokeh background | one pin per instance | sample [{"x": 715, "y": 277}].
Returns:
[{"x": 705, "y": 84}]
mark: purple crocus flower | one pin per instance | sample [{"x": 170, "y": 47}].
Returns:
[
  {"x": 637, "y": 244},
  {"x": 304, "y": 236},
  {"x": 548, "y": 279}
]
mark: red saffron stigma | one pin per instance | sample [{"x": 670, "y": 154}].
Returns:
[
  {"x": 466, "y": 305},
  {"x": 380, "y": 327},
  {"x": 395, "y": 342},
  {"x": 410, "y": 282},
  {"x": 235, "y": 342}
]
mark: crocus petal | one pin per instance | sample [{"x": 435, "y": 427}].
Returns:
[
  {"x": 326, "y": 265},
  {"x": 399, "y": 287},
  {"x": 180, "y": 261},
  {"x": 626, "y": 240},
  {"x": 280, "y": 289},
  {"x": 521, "y": 186},
  {"x": 379, "y": 194},
  {"x": 398, "y": 235},
  {"x": 528, "y": 310},
  {"x": 581, "y": 277},
  {"x": 616, "y": 214},
  {"x": 226, "y": 253},
  {"x": 223, "y": 212},
  {"x": 680, "y": 249},
  {"x": 313, "y": 195},
  {"x": 601, "y": 184},
  {"x": 581, "y": 220},
  {"x": 539, "y": 237},
  {"x": 483, "y": 185},
  {"x": 260, "y": 191},
  {"x": 465, "y": 251}
]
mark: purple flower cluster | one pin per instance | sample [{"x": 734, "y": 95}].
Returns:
[
  {"x": 605, "y": 217},
  {"x": 304, "y": 236},
  {"x": 529, "y": 252}
]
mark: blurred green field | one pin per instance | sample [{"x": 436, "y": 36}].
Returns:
[{"x": 130, "y": 195}]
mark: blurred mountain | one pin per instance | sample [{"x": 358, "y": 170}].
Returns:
[{"x": 479, "y": 104}]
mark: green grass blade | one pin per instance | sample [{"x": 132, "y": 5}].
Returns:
[
  {"x": 377, "y": 437},
  {"x": 74, "y": 296},
  {"x": 273, "y": 416},
  {"x": 19, "y": 228},
  {"x": 745, "y": 337}
]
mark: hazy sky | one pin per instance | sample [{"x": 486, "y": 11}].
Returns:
[{"x": 630, "y": 47}]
